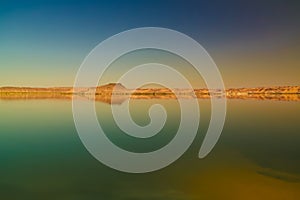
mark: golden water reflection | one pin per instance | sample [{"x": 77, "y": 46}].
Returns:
[{"x": 120, "y": 98}]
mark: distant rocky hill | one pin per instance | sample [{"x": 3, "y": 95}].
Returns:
[{"x": 111, "y": 88}]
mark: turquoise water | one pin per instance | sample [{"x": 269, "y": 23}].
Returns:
[{"x": 257, "y": 155}]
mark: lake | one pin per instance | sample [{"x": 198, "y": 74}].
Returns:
[{"x": 256, "y": 157}]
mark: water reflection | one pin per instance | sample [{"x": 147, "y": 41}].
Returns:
[
  {"x": 257, "y": 155},
  {"x": 119, "y": 99}
]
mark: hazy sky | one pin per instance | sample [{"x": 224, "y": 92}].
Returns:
[{"x": 254, "y": 43}]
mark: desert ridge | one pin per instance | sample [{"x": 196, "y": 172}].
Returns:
[{"x": 121, "y": 93}]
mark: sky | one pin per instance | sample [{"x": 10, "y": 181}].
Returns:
[{"x": 253, "y": 43}]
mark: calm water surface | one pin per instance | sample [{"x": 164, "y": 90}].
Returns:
[{"x": 257, "y": 156}]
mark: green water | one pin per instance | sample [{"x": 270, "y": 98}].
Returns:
[{"x": 256, "y": 157}]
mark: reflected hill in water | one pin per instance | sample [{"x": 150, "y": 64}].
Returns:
[{"x": 116, "y": 93}]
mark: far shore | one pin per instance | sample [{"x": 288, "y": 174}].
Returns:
[{"x": 120, "y": 93}]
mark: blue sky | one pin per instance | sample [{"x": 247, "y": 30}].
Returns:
[{"x": 44, "y": 42}]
